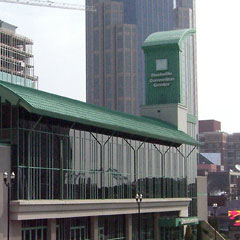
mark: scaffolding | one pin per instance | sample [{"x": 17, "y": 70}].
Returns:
[{"x": 16, "y": 59}]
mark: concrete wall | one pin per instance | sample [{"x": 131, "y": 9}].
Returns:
[
  {"x": 174, "y": 114},
  {"x": 4, "y": 166},
  {"x": 202, "y": 199},
  {"x": 52, "y": 209}
]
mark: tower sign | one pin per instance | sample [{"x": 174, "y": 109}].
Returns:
[{"x": 169, "y": 77}]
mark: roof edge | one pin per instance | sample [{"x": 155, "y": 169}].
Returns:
[
  {"x": 14, "y": 98},
  {"x": 167, "y": 38},
  {"x": 21, "y": 99}
]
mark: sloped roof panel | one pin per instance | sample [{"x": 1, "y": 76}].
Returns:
[
  {"x": 52, "y": 105},
  {"x": 167, "y": 37}
]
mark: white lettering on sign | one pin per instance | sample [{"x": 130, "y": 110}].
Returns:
[
  {"x": 161, "y": 84},
  {"x": 165, "y": 81},
  {"x": 161, "y": 80},
  {"x": 161, "y": 74},
  {"x": 189, "y": 220}
]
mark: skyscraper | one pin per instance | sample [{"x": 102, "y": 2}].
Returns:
[
  {"x": 185, "y": 17},
  {"x": 16, "y": 59},
  {"x": 143, "y": 17},
  {"x": 112, "y": 59}
]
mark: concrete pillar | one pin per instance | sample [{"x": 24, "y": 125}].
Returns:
[
  {"x": 52, "y": 229},
  {"x": 184, "y": 213},
  {"x": 16, "y": 230},
  {"x": 128, "y": 220},
  {"x": 156, "y": 226},
  {"x": 94, "y": 228},
  {"x": 5, "y": 160},
  {"x": 3, "y": 208}
]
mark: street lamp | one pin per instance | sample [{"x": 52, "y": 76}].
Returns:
[
  {"x": 139, "y": 200},
  {"x": 215, "y": 206},
  {"x": 8, "y": 183}
]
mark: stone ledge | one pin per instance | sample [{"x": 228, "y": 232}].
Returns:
[{"x": 45, "y": 209}]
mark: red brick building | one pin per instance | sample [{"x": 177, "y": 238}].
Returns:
[
  {"x": 209, "y": 126},
  {"x": 216, "y": 141}
]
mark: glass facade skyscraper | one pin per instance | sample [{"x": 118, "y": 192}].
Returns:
[
  {"x": 144, "y": 17},
  {"x": 149, "y": 16},
  {"x": 112, "y": 59}
]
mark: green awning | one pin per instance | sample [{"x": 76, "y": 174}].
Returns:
[
  {"x": 55, "y": 106},
  {"x": 177, "y": 222}
]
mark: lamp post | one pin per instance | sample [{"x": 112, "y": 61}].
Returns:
[
  {"x": 8, "y": 183},
  {"x": 139, "y": 200},
  {"x": 215, "y": 206}
]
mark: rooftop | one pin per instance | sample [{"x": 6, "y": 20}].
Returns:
[
  {"x": 112, "y": 122},
  {"x": 7, "y": 26},
  {"x": 167, "y": 37}
]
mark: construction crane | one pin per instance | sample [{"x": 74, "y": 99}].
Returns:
[{"x": 46, "y": 3}]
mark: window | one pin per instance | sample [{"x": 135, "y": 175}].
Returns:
[
  {"x": 161, "y": 65},
  {"x": 120, "y": 86},
  {"x": 96, "y": 40},
  {"x": 127, "y": 61},
  {"x": 108, "y": 63},
  {"x": 96, "y": 64},
  {"x": 127, "y": 42},
  {"x": 120, "y": 62},
  {"x": 107, "y": 40},
  {"x": 119, "y": 41},
  {"x": 128, "y": 87},
  {"x": 107, "y": 19}
]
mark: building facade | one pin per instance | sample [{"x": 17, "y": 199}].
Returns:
[
  {"x": 144, "y": 17},
  {"x": 111, "y": 66},
  {"x": 140, "y": 19},
  {"x": 78, "y": 171},
  {"x": 209, "y": 126},
  {"x": 185, "y": 14},
  {"x": 171, "y": 93},
  {"x": 79, "y": 167},
  {"x": 16, "y": 59},
  {"x": 216, "y": 141}
]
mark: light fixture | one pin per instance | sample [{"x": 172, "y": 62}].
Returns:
[
  {"x": 8, "y": 182},
  {"x": 139, "y": 197},
  {"x": 12, "y": 176},
  {"x": 5, "y": 177}
]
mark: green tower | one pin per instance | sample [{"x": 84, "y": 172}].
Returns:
[{"x": 171, "y": 91}]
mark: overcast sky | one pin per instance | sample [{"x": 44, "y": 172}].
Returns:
[
  {"x": 59, "y": 45},
  {"x": 59, "y": 50}
]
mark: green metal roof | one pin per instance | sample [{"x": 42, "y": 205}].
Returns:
[
  {"x": 167, "y": 37},
  {"x": 51, "y": 105}
]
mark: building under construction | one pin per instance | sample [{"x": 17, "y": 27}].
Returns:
[{"x": 16, "y": 59}]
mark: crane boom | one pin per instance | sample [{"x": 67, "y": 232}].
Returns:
[{"x": 46, "y": 3}]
